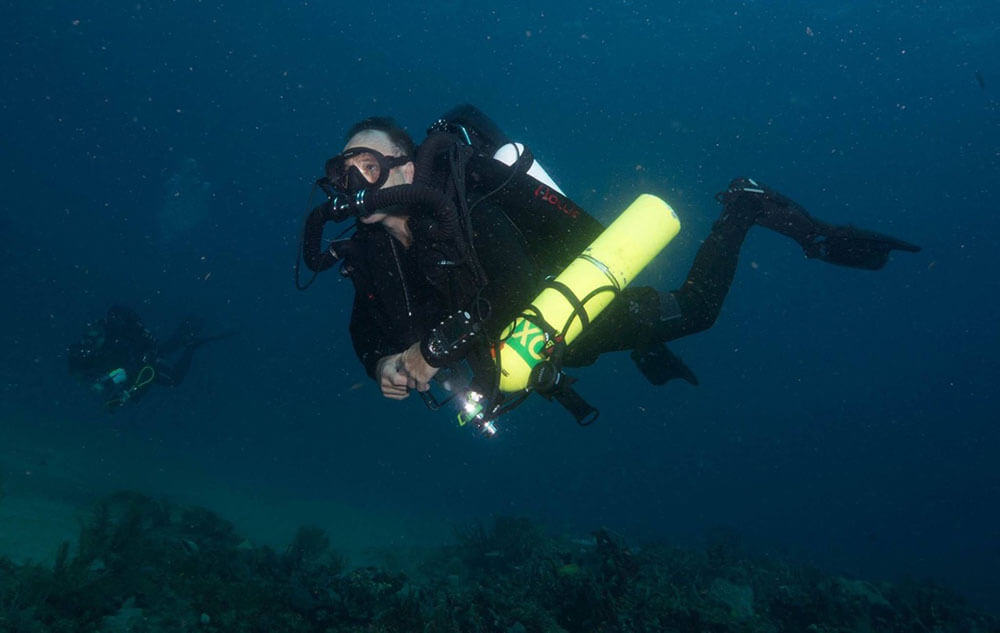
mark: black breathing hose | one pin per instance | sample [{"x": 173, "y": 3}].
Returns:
[{"x": 444, "y": 225}]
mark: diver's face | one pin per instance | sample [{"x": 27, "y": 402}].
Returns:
[{"x": 369, "y": 168}]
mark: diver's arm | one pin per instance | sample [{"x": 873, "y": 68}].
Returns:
[
  {"x": 390, "y": 377},
  {"x": 368, "y": 335},
  {"x": 395, "y": 372},
  {"x": 398, "y": 373},
  {"x": 418, "y": 371}
]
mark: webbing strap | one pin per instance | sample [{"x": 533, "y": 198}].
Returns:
[
  {"x": 573, "y": 402},
  {"x": 535, "y": 317},
  {"x": 578, "y": 308}
]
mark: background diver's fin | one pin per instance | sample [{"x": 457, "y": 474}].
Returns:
[
  {"x": 187, "y": 335},
  {"x": 201, "y": 340},
  {"x": 659, "y": 365},
  {"x": 184, "y": 334}
]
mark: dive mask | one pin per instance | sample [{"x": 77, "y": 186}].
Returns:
[
  {"x": 92, "y": 342},
  {"x": 357, "y": 169}
]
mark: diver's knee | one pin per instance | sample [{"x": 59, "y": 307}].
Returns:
[{"x": 696, "y": 313}]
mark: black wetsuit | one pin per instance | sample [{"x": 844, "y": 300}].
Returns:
[
  {"x": 121, "y": 341},
  {"x": 397, "y": 301},
  {"x": 522, "y": 231}
]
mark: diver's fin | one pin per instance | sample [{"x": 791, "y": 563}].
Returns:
[
  {"x": 841, "y": 245},
  {"x": 857, "y": 248},
  {"x": 201, "y": 340},
  {"x": 659, "y": 365},
  {"x": 184, "y": 334}
]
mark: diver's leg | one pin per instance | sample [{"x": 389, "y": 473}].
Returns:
[
  {"x": 173, "y": 375},
  {"x": 841, "y": 245},
  {"x": 629, "y": 323},
  {"x": 642, "y": 316},
  {"x": 696, "y": 305},
  {"x": 642, "y": 319},
  {"x": 183, "y": 335}
]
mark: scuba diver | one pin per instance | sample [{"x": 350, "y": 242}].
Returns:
[
  {"x": 453, "y": 239},
  {"x": 119, "y": 358}
]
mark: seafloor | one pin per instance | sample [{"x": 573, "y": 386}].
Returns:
[
  {"x": 78, "y": 554},
  {"x": 146, "y": 565}
]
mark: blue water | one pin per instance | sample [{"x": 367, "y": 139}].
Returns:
[{"x": 843, "y": 416}]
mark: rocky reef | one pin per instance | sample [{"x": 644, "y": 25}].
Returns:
[{"x": 143, "y": 565}]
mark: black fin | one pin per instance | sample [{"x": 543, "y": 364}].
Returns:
[
  {"x": 659, "y": 365},
  {"x": 856, "y": 248},
  {"x": 840, "y": 245},
  {"x": 201, "y": 340}
]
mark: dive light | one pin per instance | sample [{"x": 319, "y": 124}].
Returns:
[{"x": 450, "y": 340}]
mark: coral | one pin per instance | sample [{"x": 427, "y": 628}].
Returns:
[
  {"x": 737, "y": 598},
  {"x": 144, "y": 565},
  {"x": 309, "y": 544}
]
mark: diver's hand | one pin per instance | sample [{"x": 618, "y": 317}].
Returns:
[
  {"x": 392, "y": 380},
  {"x": 416, "y": 368}
]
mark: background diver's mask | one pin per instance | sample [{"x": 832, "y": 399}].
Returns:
[
  {"x": 82, "y": 355},
  {"x": 368, "y": 169}
]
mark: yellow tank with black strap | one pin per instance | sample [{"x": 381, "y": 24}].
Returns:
[{"x": 575, "y": 298}]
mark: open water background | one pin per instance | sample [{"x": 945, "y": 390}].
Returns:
[{"x": 160, "y": 154}]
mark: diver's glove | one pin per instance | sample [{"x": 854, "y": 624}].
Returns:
[{"x": 841, "y": 245}]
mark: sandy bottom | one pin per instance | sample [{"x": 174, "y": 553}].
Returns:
[{"x": 50, "y": 480}]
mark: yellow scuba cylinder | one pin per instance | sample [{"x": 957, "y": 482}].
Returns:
[{"x": 584, "y": 288}]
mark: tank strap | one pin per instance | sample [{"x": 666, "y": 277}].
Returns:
[
  {"x": 578, "y": 308},
  {"x": 563, "y": 393}
]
